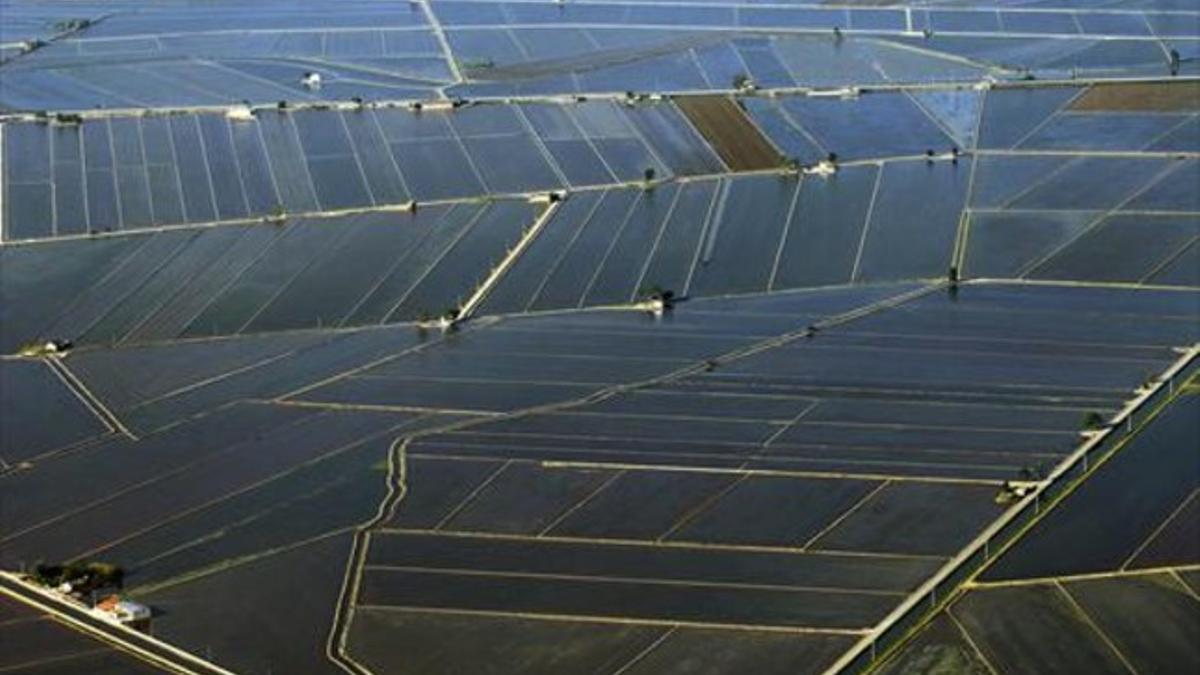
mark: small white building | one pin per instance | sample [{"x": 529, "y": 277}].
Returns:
[
  {"x": 311, "y": 80},
  {"x": 124, "y": 611}
]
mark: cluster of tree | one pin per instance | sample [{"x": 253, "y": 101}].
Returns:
[
  {"x": 84, "y": 577},
  {"x": 71, "y": 25}
]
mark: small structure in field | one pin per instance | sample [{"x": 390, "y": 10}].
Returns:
[
  {"x": 311, "y": 80},
  {"x": 126, "y": 612},
  {"x": 239, "y": 113}
]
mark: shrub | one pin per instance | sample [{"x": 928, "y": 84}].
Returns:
[{"x": 1093, "y": 420}]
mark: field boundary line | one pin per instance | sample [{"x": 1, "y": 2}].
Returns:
[
  {"x": 621, "y": 620},
  {"x": 651, "y": 543},
  {"x": 827, "y": 475},
  {"x": 632, "y": 580},
  {"x": 1082, "y": 576}
]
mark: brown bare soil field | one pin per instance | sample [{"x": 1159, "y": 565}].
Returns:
[
  {"x": 1148, "y": 96},
  {"x": 729, "y": 130}
]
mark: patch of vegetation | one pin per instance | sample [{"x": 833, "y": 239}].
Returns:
[
  {"x": 1034, "y": 472},
  {"x": 943, "y": 659},
  {"x": 278, "y": 215},
  {"x": 44, "y": 348},
  {"x": 1093, "y": 420},
  {"x": 658, "y": 294},
  {"x": 84, "y": 577},
  {"x": 71, "y": 25}
]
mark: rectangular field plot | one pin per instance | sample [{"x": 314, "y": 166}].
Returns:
[
  {"x": 1116, "y": 623},
  {"x": 203, "y": 167},
  {"x": 751, "y": 218},
  {"x": 1108, "y": 131},
  {"x": 911, "y": 235},
  {"x": 741, "y": 651},
  {"x": 471, "y": 642},
  {"x": 877, "y": 125},
  {"x": 640, "y": 505},
  {"x": 968, "y": 387},
  {"x": 623, "y": 599},
  {"x": 310, "y": 500},
  {"x": 567, "y": 577},
  {"x": 825, "y": 234},
  {"x": 175, "y": 57},
  {"x": 1111, "y": 117},
  {"x": 522, "y": 498},
  {"x": 1032, "y": 627},
  {"x": 1093, "y": 183},
  {"x": 892, "y": 414},
  {"x": 824, "y": 363},
  {"x": 438, "y": 641},
  {"x": 939, "y": 642},
  {"x": 199, "y": 481},
  {"x": 558, "y": 357},
  {"x": 1175, "y": 543},
  {"x": 684, "y": 405},
  {"x": 35, "y": 643},
  {"x": 251, "y": 590},
  {"x": 234, "y": 373},
  {"x": 451, "y": 376},
  {"x": 309, "y": 273},
  {"x": 1173, "y": 192},
  {"x": 615, "y": 559},
  {"x": 612, "y": 337},
  {"x": 1033, "y": 184},
  {"x": 1122, "y": 248},
  {"x": 915, "y": 519},
  {"x": 771, "y": 511},
  {"x": 736, "y": 139},
  {"x": 123, "y": 463},
  {"x": 565, "y": 449},
  {"x": 41, "y": 412},
  {"x": 1127, "y": 500},
  {"x": 1126, "y": 319},
  {"x": 1142, "y": 97},
  {"x": 1003, "y": 245},
  {"x": 738, "y": 235},
  {"x": 1152, "y": 620}
]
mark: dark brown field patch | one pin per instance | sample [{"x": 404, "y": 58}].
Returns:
[
  {"x": 730, "y": 132},
  {"x": 1142, "y": 96}
]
